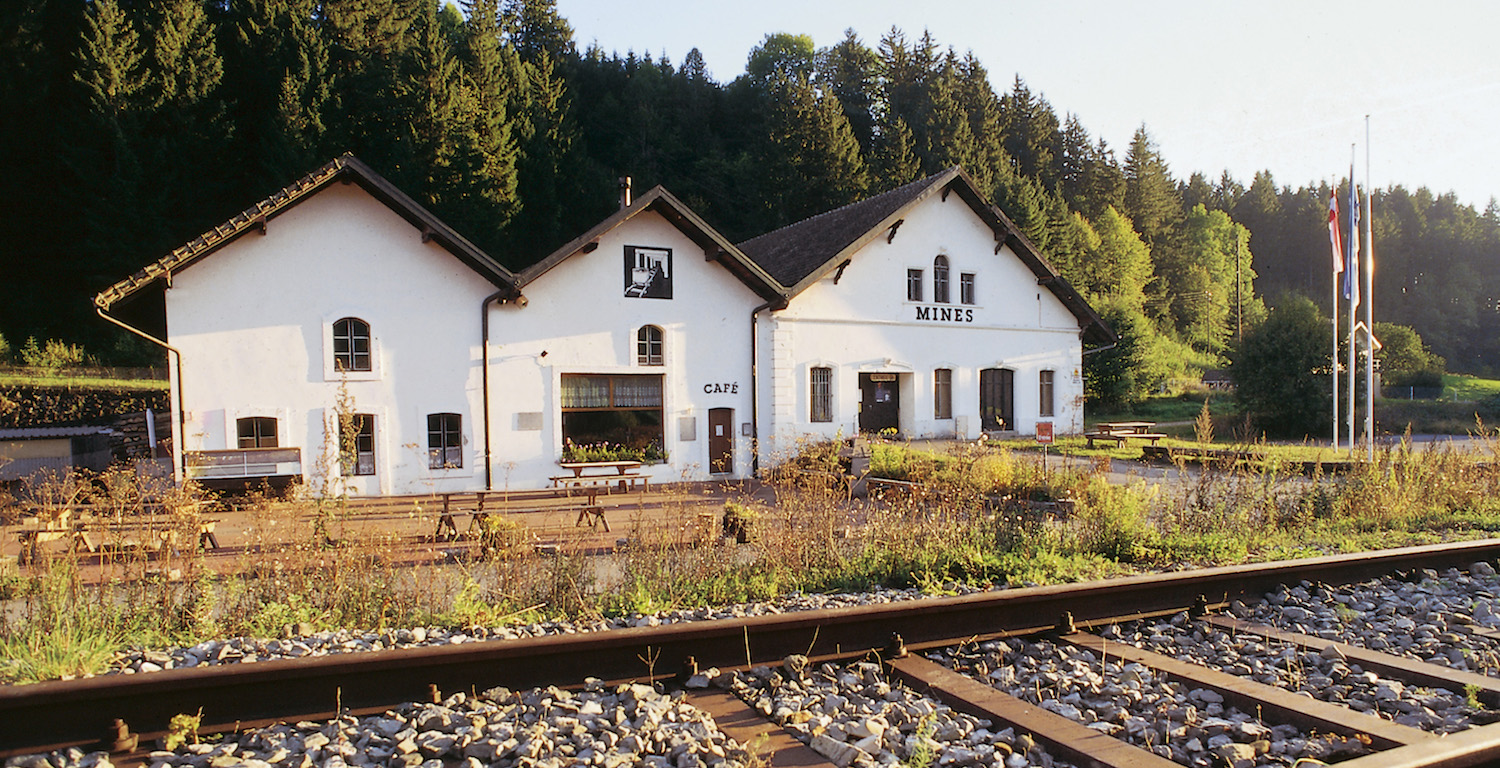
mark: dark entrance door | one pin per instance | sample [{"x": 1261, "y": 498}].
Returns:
[
  {"x": 879, "y": 402},
  {"x": 721, "y": 440},
  {"x": 997, "y": 399}
]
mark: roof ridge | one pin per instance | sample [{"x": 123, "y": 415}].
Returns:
[{"x": 867, "y": 201}]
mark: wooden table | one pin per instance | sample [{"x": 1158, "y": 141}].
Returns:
[
  {"x": 1120, "y": 431},
  {"x": 579, "y": 467},
  {"x": 1125, "y": 427}
]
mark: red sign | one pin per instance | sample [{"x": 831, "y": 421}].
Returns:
[{"x": 1044, "y": 432}]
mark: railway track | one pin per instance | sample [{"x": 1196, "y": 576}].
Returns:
[{"x": 84, "y": 713}]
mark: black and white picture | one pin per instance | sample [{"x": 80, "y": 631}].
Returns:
[{"x": 648, "y": 272}]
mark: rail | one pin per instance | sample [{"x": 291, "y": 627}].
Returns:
[{"x": 53, "y": 715}]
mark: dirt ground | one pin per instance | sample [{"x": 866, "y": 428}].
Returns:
[{"x": 409, "y": 528}]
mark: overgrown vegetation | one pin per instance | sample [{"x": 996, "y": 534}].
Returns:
[{"x": 971, "y": 514}]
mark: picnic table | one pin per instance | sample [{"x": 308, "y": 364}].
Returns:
[
  {"x": 94, "y": 533},
  {"x": 1120, "y": 431},
  {"x": 592, "y": 476}
]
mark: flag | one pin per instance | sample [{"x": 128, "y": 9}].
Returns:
[
  {"x": 1351, "y": 269},
  {"x": 1333, "y": 231}
]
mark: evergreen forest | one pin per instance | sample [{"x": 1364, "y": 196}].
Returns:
[{"x": 135, "y": 125}]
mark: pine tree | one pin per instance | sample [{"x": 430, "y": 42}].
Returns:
[
  {"x": 186, "y": 125},
  {"x": 538, "y": 31},
  {"x": 895, "y": 159},
  {"x": 1151, "y": 198},
  {"x": 278, "y": 69},
  {"x": 849, "y": 70},
  {"x": 107, "y": 159},
  {"x": 814, "y": 161}
]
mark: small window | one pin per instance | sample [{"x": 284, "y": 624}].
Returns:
[
  {"x": 357, "y": 444},
  {"x": 940, "y": 280},
  {"x": 913, "y": 285},
  {"x": 942, "y": 393},
  {"x": 966, "y": 287},
  {"x": 351, "y": 344},
  {"x": 1045, "y": 389},
  {"x": 648, "y": 346},
  {"x": 821, "y": 394},
  {"x": 445, "y": 449},
  {"x": 257, "y": 432}
]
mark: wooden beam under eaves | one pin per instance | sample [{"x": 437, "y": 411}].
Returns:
[
  {"x": 589, "y": 247},
  {"x": 892, "y": 234},
  {"x": 259, "y": 224},
  {"x": 427, "y": 234}
]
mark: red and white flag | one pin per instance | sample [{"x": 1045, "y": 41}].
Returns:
[{"x": 1333, "y": 231}]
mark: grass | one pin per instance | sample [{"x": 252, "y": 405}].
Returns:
[
  {"x": 76, "y": 380},
  {"x": 975, "y": 520},
  {"x": 1469, "y": 387}
]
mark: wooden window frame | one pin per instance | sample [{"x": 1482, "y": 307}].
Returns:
[
  {"x": 942, "y": 393},
  {"x": 348, "y": 333},
  {"x": 820, "y": 394},
  {"x": 445, "y": 441},
  {"x": 257, "y": 436},
  {"x": 966, "y": 288},
  {"x": 1047, "y": 393},
  {"x": 650, "y": 345},
  {"x": 940, "y": 280},
  {"x": 913, "y": 285}
]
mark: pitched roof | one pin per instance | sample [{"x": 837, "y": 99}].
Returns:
[
  {"x": 662, "y": 202},
  {"x": 800, "y": 254},
  {"x": 346, "y": 168}
]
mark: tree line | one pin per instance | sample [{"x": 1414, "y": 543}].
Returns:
[{"x": 137, "y": 124}]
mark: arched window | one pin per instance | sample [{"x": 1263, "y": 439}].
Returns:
[
  {"x": 940, "y": 279},
  {"x": 351, "y": 344},
  {"x": 648, "y": 346}
]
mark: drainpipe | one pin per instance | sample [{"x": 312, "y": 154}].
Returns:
[
  {"x": 754, "y": 389},
  {"x": 179, "y": 467},
  {"x": 484, "y": 332}
]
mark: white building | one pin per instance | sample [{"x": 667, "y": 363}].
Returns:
[
  {"x": 340, "y": 333},
  {"x": 924, "y": 312}
]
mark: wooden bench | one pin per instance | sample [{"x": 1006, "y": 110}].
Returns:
[
  {"x": 149, "y": 534},
  {"x": 594, "y": 483},
  {"x": 1119, "y": 438}
]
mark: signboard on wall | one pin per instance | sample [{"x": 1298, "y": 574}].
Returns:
[{"x": 648, "y": 272}]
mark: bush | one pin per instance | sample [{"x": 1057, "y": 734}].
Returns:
[{"x": 51, "y": 356}]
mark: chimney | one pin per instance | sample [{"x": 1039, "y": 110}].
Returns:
[{"x": 624, "y": 192}]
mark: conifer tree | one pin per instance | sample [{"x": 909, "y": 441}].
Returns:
[
  {"x": 814, "y": 160},
  {"x": 107, "y": 159},
  {"x": 277, "y": 66},
  {"x": 895, "y": 159},
  {"x": 849, "y": 70}
]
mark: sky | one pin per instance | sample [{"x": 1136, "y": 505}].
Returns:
[{"x": 1245, "y": 86}]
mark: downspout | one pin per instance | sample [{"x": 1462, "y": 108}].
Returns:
[
  {"x": 484, "y": 332},
  {"x": 178, "y": 470},
  {"x": 754, "y": 389}
]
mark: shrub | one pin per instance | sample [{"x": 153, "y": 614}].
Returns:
[{"x": 51, "y": 356}]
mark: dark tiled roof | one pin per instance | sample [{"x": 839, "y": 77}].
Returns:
[
  {"x": 796, "y": 251},
  {"x": 44, "y": 433},
  {"x": 256, "y": 216},
  {"x": 800, "y": 254},
  {"x": 665, "y": 204}
]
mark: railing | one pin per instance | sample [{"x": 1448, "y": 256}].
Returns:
[{"x": 244, "y": 462}]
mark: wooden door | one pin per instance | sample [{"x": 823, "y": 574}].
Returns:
[
  {"x": 879, "y": 402},
  {"x": 721, "y": 440},
  {"x": 997, "y": 399}
]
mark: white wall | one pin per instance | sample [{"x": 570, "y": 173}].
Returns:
[
  {"x": 578, "y": 315},
  {"x": 253, "y": 321},
  {"x": 864, "y": 323}
]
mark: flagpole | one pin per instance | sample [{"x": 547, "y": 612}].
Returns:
[
  {"x": 1351, "y": 281},
  {"x": 1338, "y": 271},
  {"x": 1369, "y": 301}
]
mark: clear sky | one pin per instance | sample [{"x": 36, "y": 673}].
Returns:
[{"x": 1279, "y": 85}]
